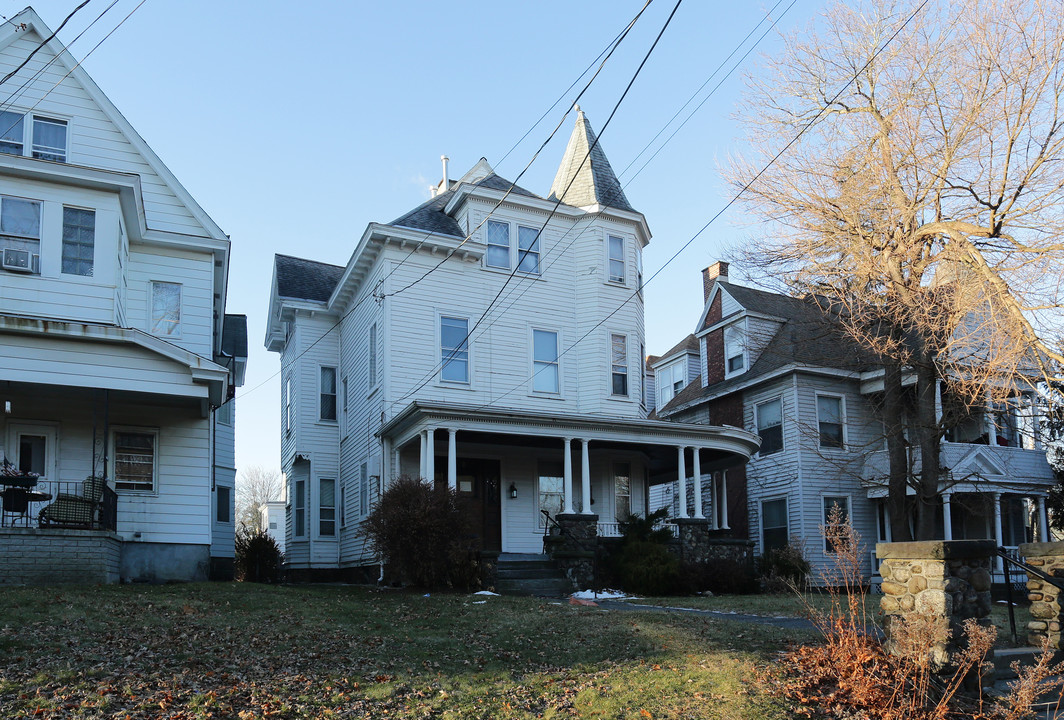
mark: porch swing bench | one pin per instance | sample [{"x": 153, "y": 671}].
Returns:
[{"x": 70, "y": 510}]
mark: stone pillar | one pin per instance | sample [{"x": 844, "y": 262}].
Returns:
[
  {"x": 585, "y": 477},
  {"x": 573, "y": 549},
  {"x": 452, "y": 458},
  {"x": 942, "y": 584},
  {"x": 697, "y": 479},
  {"x": 947, "y": 518},
  {"x": 430, "y": 455},
  {"x": 567, "y": 508},
  {"x": 681, "y": 481},
  {"x": 1045, "y": 598}
]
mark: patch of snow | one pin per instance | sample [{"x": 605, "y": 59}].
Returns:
[
  {"x": 486, "y": 592},
  {"x": 603, "y": 595},
  {"x": 480, "y": 602}
]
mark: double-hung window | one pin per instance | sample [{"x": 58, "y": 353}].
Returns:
[
  {"x": 326, "y": 507},
  {"x": 616, "y": 258},
  {"x": 166, "y": 309},
  {"x": 223, "y": 499},
  {"x": 734, "y": 349},
  {"x": 20, "y": 228},
  {"x": 286, "y": 413},
  {"x": 48, "y": 139},
  {"x": 831, "y": 502},
  {"x": 528, "y": 250},
  {"x": 498, "y": 255},
  {"x": 622, "y": 491},
  {"x": 619, "y": 364},
  {"x": 328, "y": 394},
  {"x": 770, "y": 426},
  {"x": 551, "y": 490},
  {"x": 774, "y": 533},
  {"x": 545, "y": 376},
  {"x": 670, "y": 379},
  {"x": 300, "y": 519},
  {"x": 79, "y": 241},
  {"x": 134, "y": 460},
  {"x": 371, "y": 359},
  {"x": 829, "y": 421},
  {"x": 454, "y": 349}
]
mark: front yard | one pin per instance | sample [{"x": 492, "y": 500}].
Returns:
[{"x": 243, "y": 651}]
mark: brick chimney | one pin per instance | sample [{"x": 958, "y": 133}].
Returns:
[{"x": 709, "y": 277}]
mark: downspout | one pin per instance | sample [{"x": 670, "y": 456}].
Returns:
[{"x": 801, "y": 491}]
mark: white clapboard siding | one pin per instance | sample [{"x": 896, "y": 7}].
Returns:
[{"x": 194, "y": 271}]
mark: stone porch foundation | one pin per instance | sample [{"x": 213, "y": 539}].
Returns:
[{"x": 1045, "y": 597}]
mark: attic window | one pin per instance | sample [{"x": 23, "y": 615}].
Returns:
[
  {"x": 47, "y": 141},
  {"x": 734, "y": 349}
]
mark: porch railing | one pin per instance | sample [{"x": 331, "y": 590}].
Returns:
[
  {"x": 23, "y": 503},
  {"x": 613, "y": 529}
]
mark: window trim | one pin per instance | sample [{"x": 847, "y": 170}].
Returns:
[
  {"x": 176, "y": 333},
  {"x": 540, "y": 474},
  {"x": 623, "y": 259},
  {"x": 757, "y": 425},
  {"x": 373, "y": 374},
  {"x": 228, "y": 506},
  {"x": 740, "y": 327},
  {"x": 139, "y": 430},
  {"x": 520, "y": 255},
  {"x": 29, "y": 119},
  {"x": 286, "y": 409},
  {"x": 659, "y": 379},
  {"x": 335, "y": 394},
  {"x": 627, "y": 395},
  {"x": 842, "y": 418},
  {"x": 299, "y": 506},
  {"x": 14, "y": 240},
  {"x": 488, "y": 245},
  {"x": 363, "y": 489},
  {"x": 631, "y": 494},
  {"x": 533, "y": 362},
  {"x": 79, "y": 243},
  {"x": 468, "y": 382},
  {"x": 322, "y": 508},
  {"x": 786, "y": 518}
]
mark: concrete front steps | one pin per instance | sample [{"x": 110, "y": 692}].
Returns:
[
  {"x": 1048, "y": 707},
  {"x": 530, "y": 574}
]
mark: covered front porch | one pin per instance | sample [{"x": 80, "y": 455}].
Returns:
[{"x": 515, "y": 469}]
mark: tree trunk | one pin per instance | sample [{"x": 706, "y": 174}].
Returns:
[
  {"x": 929, "y": 437},
  {"x": 894, "y": 427}
]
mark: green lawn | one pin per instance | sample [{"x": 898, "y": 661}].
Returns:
[{"x": 243, "y": 651}]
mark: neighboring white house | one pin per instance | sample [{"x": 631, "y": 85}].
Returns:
[
  {"x": 117, "y": 357},
  {"x": 490, "y": 339},
  {"x": 767, "y": 364},
  {"x": 271, "y": 520}
]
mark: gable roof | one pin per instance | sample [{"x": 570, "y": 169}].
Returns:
[
  {"x": 303, "y": 279},
  {"x": 688, "y": 344},
  {"x": 582, "y": 180},
  {"x": 430, "y": 215}
]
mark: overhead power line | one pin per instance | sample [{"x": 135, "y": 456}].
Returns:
[{"x": 44, "y": 42}]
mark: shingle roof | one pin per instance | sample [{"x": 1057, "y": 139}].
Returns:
[
  {"x": 306, "y": 279},
  {"x": 429, "y": 215},
  {"x": 591, "y": 181},
  {"x": 235, "y": 335},
  {"x": 688, "y": 344},
  {"x": 763, "y": 301}
]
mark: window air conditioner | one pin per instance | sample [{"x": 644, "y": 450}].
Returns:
[{"x": 20, "y": 260}]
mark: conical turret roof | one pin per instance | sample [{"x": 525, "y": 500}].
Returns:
[{"x": 589, "y": 179}]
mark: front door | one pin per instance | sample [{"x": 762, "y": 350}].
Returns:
[{"x": 479, "y": 483}]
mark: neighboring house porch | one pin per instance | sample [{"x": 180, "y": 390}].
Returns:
[{"x": 511, "y": 466}]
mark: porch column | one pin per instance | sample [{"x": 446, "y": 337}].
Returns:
[
  {"x": 421, "y": 468},
  {"x": 991, "y": 428},
  {"x": 724, "y": 500},
  {"x": 996, "y": 497},
  {"x": 1036, "y": 422},
  {"x": 714, "y": 503},
  {"x": 568, "y": 476},
  {"x": 386, "y": 460},
  {"x": 1043, "y": 520},
  {"x": 397, "y": 468},
  {"x": 430, "y": 455},
  {"x": 681, "y": 480},
  {"x": 585, "y": 476},
  {"x": 947, "y": 518},
  {"x": 938, "y": 402},
  {"x": 697, "y": 462},
  {"x": 452, "y": 459}
]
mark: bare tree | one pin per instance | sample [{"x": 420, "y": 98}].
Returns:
[
  {"x": 255, "y": 487},
  {"x": 922, "y": 204}
]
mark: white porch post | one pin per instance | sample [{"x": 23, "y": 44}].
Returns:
[
  {"x": 421, "y": 468},
  {"x": 938, "y": 401},
  {"x": 585, "y": 476},
  {"x": 697, "y": 467},
  {"x": 1036, "y": 423},
  {"x": 386, "y": 460},
  {"x": 681, "y": 479},
  {"x": 724, "y": 501},
  {"x": 568, "y": 475},
  {"x": 430, "y": 455},
  {"x": 452, "y": 459},
  {"x": 714, "y": 503},
  {"x": 397, "y": 468},
  {"x": 1043, "y": 520},
  {"x": 991, "y": 427},
  {"x": 947, "y": 518},
  {"x": 997, "y": 525}
]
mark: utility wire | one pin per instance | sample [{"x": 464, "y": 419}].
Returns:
[
  {"x": 44, "y": 42},
  {"x": 380, "y": 297},
  {"x": 553, "y": 211},
  {"x": 730, "y": 202}
]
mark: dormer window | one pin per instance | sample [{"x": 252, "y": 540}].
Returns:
[
  {"x": 501, "y": 248},
  {"x": 47, "y": 141},
  {"x": 670, "y": 380},
  {"x": 734, "y": 349}
]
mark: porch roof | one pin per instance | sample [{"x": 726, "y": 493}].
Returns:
[{"x": 733, "y": 442}]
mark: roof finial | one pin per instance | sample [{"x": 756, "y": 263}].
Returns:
[{"x": 579, "y": 112}]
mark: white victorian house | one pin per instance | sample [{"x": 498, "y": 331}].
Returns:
[
  {"x": 490, "y": 339},
  {"x": 117, "y": 357}
]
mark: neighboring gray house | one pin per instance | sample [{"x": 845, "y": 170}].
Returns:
[
  {"x": 387, "y": 368},
  {"x": 117, "y": 358},
  {"x": 767, "y": 363}
]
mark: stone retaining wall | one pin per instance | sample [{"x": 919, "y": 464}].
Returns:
[
  {"x": 940, "y": 584},
  {"x": 1045, "y": 597},
  {"x": 36, "y": 556}
]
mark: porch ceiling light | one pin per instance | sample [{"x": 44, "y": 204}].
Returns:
[{"x": 513, "y": 491}]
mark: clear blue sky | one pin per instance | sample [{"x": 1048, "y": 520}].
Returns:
[{"x": 296, "y": 124}]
